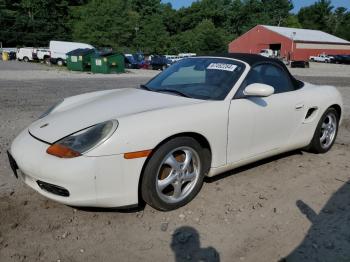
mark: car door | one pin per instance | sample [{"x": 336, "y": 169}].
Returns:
[{"x": 262, "y": 125}]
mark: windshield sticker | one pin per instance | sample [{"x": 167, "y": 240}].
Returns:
[{"x": 222, "y": 66}]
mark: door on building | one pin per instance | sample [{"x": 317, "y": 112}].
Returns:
[{"x": 276, "y": 48}]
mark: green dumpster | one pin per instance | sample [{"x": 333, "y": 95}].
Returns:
[
  {"x": 80, "y": 59},
  {"x": 107, "y": 63}
]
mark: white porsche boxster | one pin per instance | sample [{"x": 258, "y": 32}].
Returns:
[{"x": 200, "y": 117}]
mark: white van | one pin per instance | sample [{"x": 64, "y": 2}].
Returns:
[
  {"x": 59, "y": 49},
  {"x": 26, "y": 54}
]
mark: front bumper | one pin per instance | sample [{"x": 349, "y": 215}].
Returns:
[{"x": 105, "y": 181}]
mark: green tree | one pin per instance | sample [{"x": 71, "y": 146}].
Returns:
[
  {"x": 205, "y": 38},
  {"x": 106, "y": 23},
  {"x": 155, "y": 27},
  {"x": 277, "y": 10},
  {"x": 152, "y": 36},
  {"x": 317, "y": 16},
  {"x": 291, "y": 21},
  {"x": 340, "y": 23},
  {"x": 38, "y": 21},
  {"x": 151, "y": 30}
]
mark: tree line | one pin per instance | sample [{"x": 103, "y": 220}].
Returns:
[{"x": 151, "y": 26}]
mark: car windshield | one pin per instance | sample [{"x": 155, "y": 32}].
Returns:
[{"x": 200, "y": 78}]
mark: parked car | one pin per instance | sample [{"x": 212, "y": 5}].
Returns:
[
  {"x": 341, "y": 59},
  {"x": 185, "y": 55},
  {"x": 321, "y": 58},
  {"x": 59, "y": 49},
  {"x": 160, "y": 62},
  {"x": 12, "y": 55},
  {"x": 200, "y": 117},
  {"x": 26, "y": 54},
  {"x": 43, "y": 54},
  {"x": 136, "y": 61},
  {"x": 130, "y": 62},
  {"x": 173, "y": 58}
]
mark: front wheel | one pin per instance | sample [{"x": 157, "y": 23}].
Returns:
[
  {"x": 326, "y": 132},
  {"x": 174, "y": 174}
]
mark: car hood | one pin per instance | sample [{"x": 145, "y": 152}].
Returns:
[{"x": 77, "y": 113}]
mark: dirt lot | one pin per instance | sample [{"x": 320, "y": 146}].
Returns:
[{"x": 296, "y": 205}]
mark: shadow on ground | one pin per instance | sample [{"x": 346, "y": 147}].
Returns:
[
  {"x": 328, "y": 239},
  {"x": 252, "y": 165},
  {"x": 186, "y": 246}
]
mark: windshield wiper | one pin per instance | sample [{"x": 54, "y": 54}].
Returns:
[
  {"x": 172, "y": 91},
  {"x": 145, "y": 87}
]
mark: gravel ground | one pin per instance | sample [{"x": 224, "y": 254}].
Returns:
[{"x": 296, "y": 205}]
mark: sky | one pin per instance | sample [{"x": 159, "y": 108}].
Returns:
[{"x": 297, "y": 3}]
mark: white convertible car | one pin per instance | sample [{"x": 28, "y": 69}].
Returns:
[{"x": 200, "y": 117}]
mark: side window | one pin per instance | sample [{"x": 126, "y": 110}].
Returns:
[
  {"x": 270, "y": 75},
  {"x": 277, "y": 78}
]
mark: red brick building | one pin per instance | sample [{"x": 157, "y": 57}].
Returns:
[{"x": 293, "y": 43}]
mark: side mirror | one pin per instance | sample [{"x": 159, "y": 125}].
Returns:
[{"x": 260, "y": 90}]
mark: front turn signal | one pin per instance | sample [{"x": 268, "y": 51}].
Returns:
[{"x": 62, "y": 151}]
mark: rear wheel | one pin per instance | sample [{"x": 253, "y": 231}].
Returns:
[
  {"x": 326, "y": 132},
  {"x": 26, "y": 59},
  {"x": 174, "y": 174},
  {"x": 60, "y": 62}
]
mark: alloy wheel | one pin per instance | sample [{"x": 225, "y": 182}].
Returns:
[
  {"x": 178, "y": 174},
  {"x": 328, "y": 130}
]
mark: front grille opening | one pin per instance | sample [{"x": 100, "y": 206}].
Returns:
[{"x": 57, "y": 190}]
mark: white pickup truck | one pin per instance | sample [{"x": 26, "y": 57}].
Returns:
[
  {"x": 321, "y": 58},
  {"x": 43, "y": 54}
]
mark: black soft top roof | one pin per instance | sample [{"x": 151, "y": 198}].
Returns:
[{"x": 253, "y": 59}]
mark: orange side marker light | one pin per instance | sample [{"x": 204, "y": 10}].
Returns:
[{"x": 138, "y": 154}]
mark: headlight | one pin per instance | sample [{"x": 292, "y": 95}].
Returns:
[
  {"x": 48, "y": 111},
  {"x": 83, "y": 141}
]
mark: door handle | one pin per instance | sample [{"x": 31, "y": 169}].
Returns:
[{"x": 299, "y": 106}]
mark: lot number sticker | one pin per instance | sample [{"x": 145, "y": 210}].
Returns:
[{"x": 222, "y": 66}]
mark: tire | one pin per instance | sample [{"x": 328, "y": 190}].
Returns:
[
  {"x": 47, "y": 60},
  {"x": 181, "y": 181},
  {"x": 25, "y": 59},
  {"x": 328, "y": 125},
  {"x": 60, "y": 62}
]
